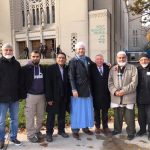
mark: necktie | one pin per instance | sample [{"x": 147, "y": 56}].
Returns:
[{"x": 101, "y": 71}]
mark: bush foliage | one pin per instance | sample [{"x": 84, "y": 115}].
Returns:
[{"x": 22, "y": 120}]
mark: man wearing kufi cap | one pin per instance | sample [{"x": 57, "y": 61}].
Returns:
[
  {"x": 143, "y": 95},
  {"x": 122, "y": 85},
  {"x": 81, "y": 100}
]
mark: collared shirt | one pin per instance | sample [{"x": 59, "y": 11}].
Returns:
[
  {"x": 101, "y": 69},
  {"x": 61, "y": 71}
]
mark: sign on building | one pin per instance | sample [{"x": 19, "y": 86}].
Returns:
[{"x": 99, "y": 33}]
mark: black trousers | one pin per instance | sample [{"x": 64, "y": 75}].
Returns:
[
  {"x": 144, "y": 117},
  {"x": 97, "y": 116},
  {"x": 60, "y": 117},
  {"x": 129, "y": 116}
]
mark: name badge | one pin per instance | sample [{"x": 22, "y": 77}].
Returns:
[{"x": 148, "y": 73}]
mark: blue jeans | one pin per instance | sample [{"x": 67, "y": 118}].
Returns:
[{"x": 13, "y": 111}]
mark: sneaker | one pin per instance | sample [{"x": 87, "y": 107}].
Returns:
[
  {"x": 16, "y": 142},
  {"x": 1, "y": 144},
  {"x": 33, "y": 139},
  {"x": 39, "y": 135}
]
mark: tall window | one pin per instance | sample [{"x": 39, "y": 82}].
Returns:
[
  {"x": 48, "y": 15},
  {"x": 135, "y": 38},
  {"x": 37, "y": 15},
  {"x": 53, "y": 14},
  {"x": 33, "y": 14},
  {"x": 23, "y": 19},
  {"x": 32, "y": 9}
]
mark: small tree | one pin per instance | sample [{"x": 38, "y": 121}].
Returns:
[{"x": 141, "y": 7}]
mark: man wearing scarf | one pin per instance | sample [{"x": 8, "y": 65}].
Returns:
[
  {"x": 33, "y": 75},
  {"x": 122, "y": 85},
  {"x": 81, "y": 100}
]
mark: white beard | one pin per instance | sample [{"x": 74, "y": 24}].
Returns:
[
  {"x": 8, "y": 56},
  {"x": 122, "y": 64},
  {"x": 144, "y": 65}
]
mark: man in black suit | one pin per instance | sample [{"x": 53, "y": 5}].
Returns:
[
  {"x": 57, "y": 95},
  {"x": 101, "y": 96}
]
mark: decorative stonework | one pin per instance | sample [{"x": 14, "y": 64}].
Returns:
[
  {"x": 99, "y": 15},
  {"x": 53, "y": 2},
  {"x": 73, "y": 41},
  {"x": 35, "y": 1}
]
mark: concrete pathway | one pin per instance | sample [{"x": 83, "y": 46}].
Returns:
[{"x": 95, "y": 142}]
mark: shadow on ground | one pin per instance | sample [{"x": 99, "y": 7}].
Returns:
[{"x": 114, "y": 143}]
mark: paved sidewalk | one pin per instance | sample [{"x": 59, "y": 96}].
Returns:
[{"x": 95, "y": 142}]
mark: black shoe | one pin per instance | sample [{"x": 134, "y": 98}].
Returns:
[
  {"x": 63, "y": 134},
  {"x": 33, "y": 139},
  {"x": 140, "y": 133},
  {"x": 149, "y": 136},
  {"x": 1, "y": 144},
  {"x": 87, "y": 131},
  {"x": 130, "y": 137},
  {"x": 16, "y": 142},
  {"x": 49, "y": 138},
  {"x": 115, "y": 132},
  {"x": 76, "y": 135}
]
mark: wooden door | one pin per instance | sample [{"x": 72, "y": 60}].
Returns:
[
  {"x": 22, "y": 45},
  {"x": 35, "y": 45},
  {"x": 50, "y": 47}
]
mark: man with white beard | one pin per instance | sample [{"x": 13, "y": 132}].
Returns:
[
  {"x": 122, "y": 85},
  {"x": 143, "y": 95},
  {"x": 9, "y": 93}
]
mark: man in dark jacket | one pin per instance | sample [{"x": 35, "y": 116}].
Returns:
[
  {"x": 33, "y": 91},
  {"x": 100, "y": 93},
  {"x": 57, "y": 95},
  {"x": 143, "y": 95},
  {"x": 9, "y": 93}
]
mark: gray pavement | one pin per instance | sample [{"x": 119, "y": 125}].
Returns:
[{"x": 95, "y": 142}]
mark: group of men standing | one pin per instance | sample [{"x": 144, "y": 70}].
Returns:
[{"x": 88, "y": 89}]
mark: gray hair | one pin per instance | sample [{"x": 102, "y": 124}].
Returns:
[
  {"x": 100, "y": 55},
  {"x": 7, "y": 45}
]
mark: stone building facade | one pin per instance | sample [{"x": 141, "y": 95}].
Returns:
[{"x": 64, "y": 22}]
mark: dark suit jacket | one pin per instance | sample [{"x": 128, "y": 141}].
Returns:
[
  {"x": 99, "y": 83},
  {"x": 79, "y": 76},
  {"x": 56, "y": 89}
]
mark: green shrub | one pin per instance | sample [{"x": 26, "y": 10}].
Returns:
[{"x": 22, "y": 120}]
